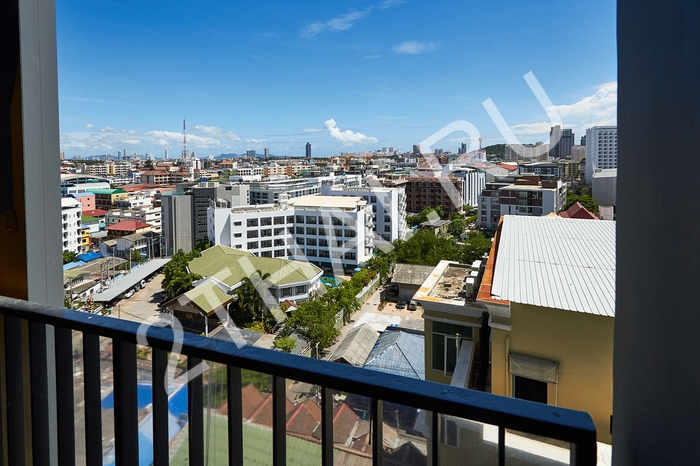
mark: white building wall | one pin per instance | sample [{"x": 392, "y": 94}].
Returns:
[
  {"x": 71, "y": 211},
  {"x": 601, "y": 149}
]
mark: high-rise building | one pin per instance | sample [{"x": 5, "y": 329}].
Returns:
[
  {"x": 166, "y": 154},
  {"x": 308, "y": 150},
  {"x": 416, "y": 149},
  {"x": 561, "y": 141},
  {"x": 250, "y": 154},
  {"x": 267, "y": 152},
  {"x": 583, "y": 140},
  {"x": 601, "y": 149}
]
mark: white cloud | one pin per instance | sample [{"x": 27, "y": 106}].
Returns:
[
  {"x": 347, "y": 137},
  {"x": 414, "y": 47},
  {"x": 598, "y": 109},
  {"x": 217, "y": 132},
  {"x": 312, "y": 130},
  {"x": 89, "y": 126},
  {"x": 389, "y": 3},
  {"x": 339, "y": 23}
]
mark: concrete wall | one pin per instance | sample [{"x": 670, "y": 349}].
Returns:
[
  {"x": 656, "y": 346},
  {"x": 581, "y": 343}
]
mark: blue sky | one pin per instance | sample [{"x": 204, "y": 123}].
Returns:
[{"x": 344, "y": 76}]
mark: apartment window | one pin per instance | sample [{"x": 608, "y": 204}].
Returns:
[
  {"x": 350, "y": 222},
  {"x": 387, "y": 228},
  {"x": 449, "y": 432},
  {"x": 350, "y": 256},
  {"x": 311, "y": 242},
  {"x": 253, "y": 234},
  {"x": 324, "y": 220},
  {"x": 290, "y": 219},
  {"x": 286, "y": 292},
  {"x": 252, "y": 222},
  {"x": 279, "y": 242},
  {"x": 387, "y": 218},
  {"x": 311, "y": 220},
  {"x": 252, "y": 245},
  {"x": 300, "y": 230},
  {"x": 239, "y": 246},
  {"x": 266, "y": 254},
  {"x": 349, "y": 234},
  {"x": 265, "y": 221},
  {"x": 337, "y": 221},
  {"x": 266, "y": 233},
  {"x": 373, "y": 199},
  {"x": 279, "y": 231},
  {"x": 446, "y": 341},
  {"x": 300, "y": 219},
  {"x": 310, "y": 231},
  {"x": 279, "y": 220},
  {"x": 311, "y": 252},
  {"x": 323, "y": 254},
  {"x": 279, "y": 253},
  {"x": 300, "y": 240},
  {"x": 237, "y": 224},
  {"x": 386, "y": 237},
  {"x": 266, "y": 243},
  {"x": 323, "y": 242},
  {"x": 301, "y": 289},
  {"x": 337, "y": 255},
  {"x": 237, "y": 235},
  {"x": 338, "y": 232},
  {"x": 529, "y": 389}
]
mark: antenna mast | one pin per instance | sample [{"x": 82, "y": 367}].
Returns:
[{"x": 184, "y": 140}]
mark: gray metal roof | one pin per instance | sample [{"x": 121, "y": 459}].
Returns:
[
  {"x": 126, "y": 282},
  {"x": 561, "y": 263},
  {"x": 356, "y": 345},
  {"x": 400, "y": 353},
  {"x": 408, "y": 274}
]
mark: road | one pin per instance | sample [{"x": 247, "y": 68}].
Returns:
[{"x": 143, "y": 304}]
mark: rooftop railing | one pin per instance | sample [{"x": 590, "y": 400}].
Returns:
[{"x": 40, "y": 341}]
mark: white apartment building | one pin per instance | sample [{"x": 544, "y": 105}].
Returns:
[
  {"x": 601, "y": 149},
  {"x": 146, "y": 213},
  {"x": 71, "y": 212},
  {"x": 387, "y": 204},
  {"x": 332, "y": 232},
  {"x": 474, "y": 183}
]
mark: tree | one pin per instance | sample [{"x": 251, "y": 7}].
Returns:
[
  {"x": 316, "y": 321},
  {"x": 286, "y": 344},
  {"x": 249, "y": 298},
  {"x": 474, "y": 249},
  {"x": 342, "y": 299},
  {"x": 457, "y": 225},
  {"x": 68, "y": 256},
  {"x": 136, "y": 257},
  {"x": 587, "y": 201},
  {"x": 148, "y": 164}
]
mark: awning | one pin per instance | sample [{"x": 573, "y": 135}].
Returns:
[{"x": 533, "y": 368}]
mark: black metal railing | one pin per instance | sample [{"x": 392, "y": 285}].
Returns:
[{"x": 25, "y": 346}]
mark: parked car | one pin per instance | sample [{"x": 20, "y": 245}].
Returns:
[
  {"x": 412, "y": 305},
  {"x": 143, "y": 283},
  {"x": 129, "y": 294},
  {"x": 401, "y": 304}
]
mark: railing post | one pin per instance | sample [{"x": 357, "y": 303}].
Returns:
[
  {"x": 93, "y": 398},
  {"x": 38, "y": 359},
  {"x": 126, "y": 418},
  {"x": 161, "y": 454},
  {"x": 377, "y": 432},
  {"x": 235, "y": 416},
  {"x": 584, "y": 453},
  {"x": 195, "y": 413},
  {"x": 326, "y": 426},
  {"x": 14, "y": 382},
  {"x": 501, "y": 446},
  {"x": 279, "y": 421},
  {"x": 65, "y": 402},
  {"x": 435, "y": 438}
]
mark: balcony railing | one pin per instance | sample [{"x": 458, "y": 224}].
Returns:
[{"x": 38, "y": 339}]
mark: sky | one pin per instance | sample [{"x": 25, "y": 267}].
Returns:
[{"x": 344, "y": 76}]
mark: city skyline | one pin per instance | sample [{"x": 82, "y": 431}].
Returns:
[{"x": 342, "y": 77}]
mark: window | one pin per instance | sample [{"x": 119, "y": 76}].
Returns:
[
  {"x": 446, "y": 341},
  {"x": 311, "y": 242},
  {"x": 337, "y": 255},
  {"x": 529, "y": 389},
  {"x": 252, "y": 222},
  {"x": 387, "y": 218},
  {"x": 239, "y": 246},
  {"x": 279, "y": 242},
  {"x": 449, "y": 432},
  {"x": 323, "y": 254},
  {"x": 300, "y": 230},
  {"x": 266, "y": 254},
  {"x": 252, "y": 245},
  {"x": 310, "y": 231},
  {"x": 253, "y": 234},
  {"x": 279, "y": 231},
  {"x": 237, "y": 224},
  {"x": 266, "y": 233},
  {"x": 286, "y": 292},
  {"x": 279, "y": 220},
  {"x": 237, "y": 235},
  {"x": 266, "y": 243},
  {"x": 349, "y": 234},
  {"x": 279, "y": 253},
  {"x": 301, "y": 289},
  {"x": 387, "y": 228},
  {"x": 323, "y": 242},
  {"x": 311, "y": 252},
  {"x": 265, "y": 221},
  {"x": 350, "y": 222},
  {"x": 300, "y": 219},
  {"x": 290, "y": 219},
  {"x": 311, "y": 220},
  {"x": 300, "y": 241}
]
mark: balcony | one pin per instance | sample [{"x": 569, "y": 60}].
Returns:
[{"x": 82, "y": 392}]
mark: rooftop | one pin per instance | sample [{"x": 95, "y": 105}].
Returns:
[
  {"x": 398, "y": 352},
  {"x": 127, "y": 225},
  {"x": 451, "y": 282},
  {"x": 349, "y": 202},
  {"x": 230, "y": 266},
  {"x": 560, "y": 263},
  {"x": 409, "y": 274}
]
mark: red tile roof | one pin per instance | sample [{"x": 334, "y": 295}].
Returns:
[
  {"x": 127, "y": 225},
  {"x": 95, "y": 213},
  {"x": 578, "y": 211},
  {"x": 263, "y": 415}
]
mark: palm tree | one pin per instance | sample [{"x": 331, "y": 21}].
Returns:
[{"x": 249, "y": 298}]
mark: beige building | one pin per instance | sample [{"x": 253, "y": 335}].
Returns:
[{"x": 549, "y": 287}]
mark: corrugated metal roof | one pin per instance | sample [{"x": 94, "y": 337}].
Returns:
[
  {"x": 557, "y": 262},
  {"x": 356, "y": 345},
  {"x": 409, "y": 274},
  {"x": 400, "y": 353}
]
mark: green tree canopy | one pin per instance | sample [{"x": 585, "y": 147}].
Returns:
[
  {"x": 316, "y": 321},
  {"x": 68, "y": 256},
  {"x": 587, "y": 201},
  {"x": 457, "y": 225},
  {"x": 285, "y": 344}
]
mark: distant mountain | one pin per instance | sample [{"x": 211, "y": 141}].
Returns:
[{"x": 496, "y": 149}]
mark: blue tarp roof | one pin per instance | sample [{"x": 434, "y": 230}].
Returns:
[
  {"x": 89, "y": 256},
  {"x": 72, "y": 265},
  {"x": 398, "y": 352}
]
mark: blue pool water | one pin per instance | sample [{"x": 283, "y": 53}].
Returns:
[
  {"x": 331, "y": 281},
  {"x": 177, "y": 403}
]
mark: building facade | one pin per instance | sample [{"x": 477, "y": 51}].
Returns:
[
  {"x": 561, "y": 140},
  {"x": 328, "y": 231},
  {"x": 429, "y": 191},
  {"x": 601, "y": 149},
  {"x": 71, "y": 215}
]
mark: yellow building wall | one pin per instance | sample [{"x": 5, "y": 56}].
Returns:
[{"x": 581, "y": 343}]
